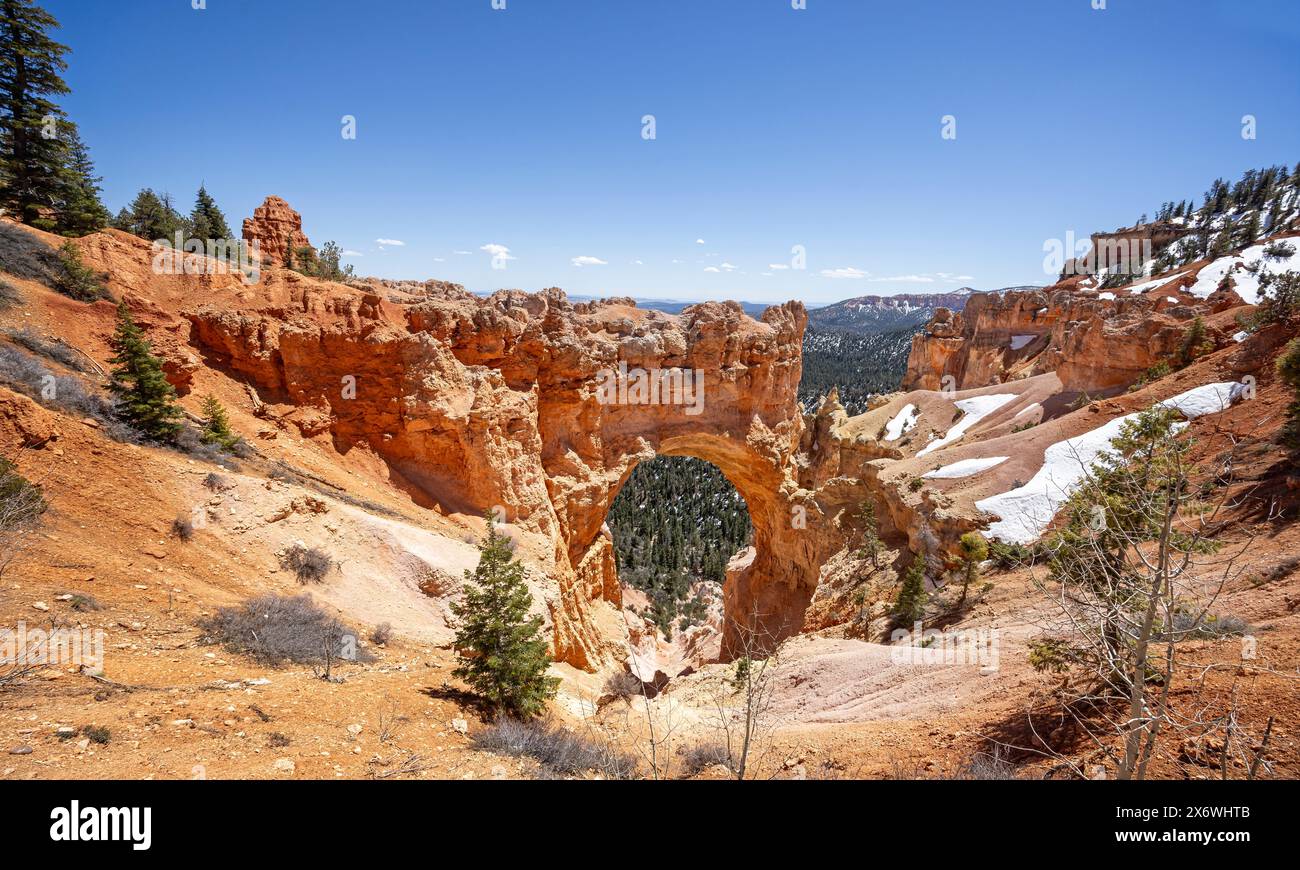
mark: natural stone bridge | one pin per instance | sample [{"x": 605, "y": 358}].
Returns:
[{"x": 543, "y": 407}]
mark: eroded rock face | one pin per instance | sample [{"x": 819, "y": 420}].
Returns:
[
  {"x": 275, "y": 226},
  {"x": 531, "y": 403},
  {"x": 1095, "y": 342}
]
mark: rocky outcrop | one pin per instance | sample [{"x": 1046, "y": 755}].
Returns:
[
  {"x": 1097, "y": 343},
  {"x": 541, "y": 408},
  {"x": 277, "y": 229}
]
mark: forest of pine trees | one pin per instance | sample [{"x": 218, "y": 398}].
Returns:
[
  {"x": 1261, "y": 203},
  {"x": 676, "y": 521}
]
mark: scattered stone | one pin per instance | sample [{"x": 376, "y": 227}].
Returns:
[
  {"x": 284, "y": 765},
  {"x": 460, "y": 726},
  {"x": 21, "y": 750},
  {"x": 40, "y": 605}
]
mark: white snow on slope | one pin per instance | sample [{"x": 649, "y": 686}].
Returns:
[
  {"x": 966, "y": 467},
  {"x": 1107, "y": 295},
  {"x": 903, "y": 421},
  {"x": 1245, "y": 283},
  {"x": 1027, "y": 409},
  {"x": 1151, "y": 285},
  {"x": 1241, "y": 336},
  {"x": 1209, "y": 399},
  {"x": 1027, "y": 511},
  {"x": 976, "y": 408}
]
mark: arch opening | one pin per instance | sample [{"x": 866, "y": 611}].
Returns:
[{"x": 677, "y": 521}]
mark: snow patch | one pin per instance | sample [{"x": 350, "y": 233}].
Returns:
[
  {"x": 1107, "y": 295},
  {"x": 1241, "y": 336},
  {"x": 1027, "y": 409},
  {"x": 903, "y": 421},
  {"x": 1209, "y": 399},
  {"x": 976, "y": 408},
  {"x": 966, "y": 467},
  {"x": 1027, "y": 511},
  {"x": 1246, "y": 284}
]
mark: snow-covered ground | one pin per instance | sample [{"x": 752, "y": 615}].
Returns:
[
  {"x": 1028, "y": 409},
  {"x": 966, "y": 467},
  {"x": 1209, "y": 399},
  {"x": 1151, "y": 285},
  {"x": 976, "y": 408},
  {"x": 1027, "y": 511},
  {"x": 1246, "y": 283},
  {"x": 903, "y": 421},
  {"x": 1107, "y": 295}
]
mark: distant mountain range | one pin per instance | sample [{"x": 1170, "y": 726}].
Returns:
[{"x": 861, "y": 315}]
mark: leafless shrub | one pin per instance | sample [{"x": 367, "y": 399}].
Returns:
[
  {"x": 276, "y": 740},
  {"x": 555, "y": 748},
  {"x": 25, "y": 373},
  {"x": 705, "y": 755},
  {"x": 21, "y": 505},
  {"x": 54, "y": 349},
  {"x": 382, "y": 634},
  {"x": 620, "y": 686},
  {"x": 275, "y": 629},
  {"x": 216, "y": 482},
  {"x": 9, "y": 295},
  {"x": 309, "y": 564},
  {"x": 183, "y": 528}
]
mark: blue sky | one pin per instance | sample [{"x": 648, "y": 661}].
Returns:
[{"x": 775, "y": 127}]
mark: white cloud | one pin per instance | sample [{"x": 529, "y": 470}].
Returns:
[
  {"x": 352, "y": 254},
  {"x": 677, "y": 261},
  {"x": 637, "y": 263},
  {"x": 948, "y": 276},
  {"x": 728, "y": 267},
  {"x": 712, "y": 269},
  {"x": 439, "y": 259},
  {"x": 390, "y": 243},
  {"x": 846, "y": 272},
  {"x": 699, "y": 241},
  {"x": 462, "y": 253},
  {"x": 498, "y": 252},
  {"x": 777, "y": 267},
  {"x": 588, "y": 261}
]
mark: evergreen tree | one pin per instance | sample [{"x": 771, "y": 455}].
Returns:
[
  {"x": 974, "y": 550},
  {"x": 502, "y": 656},
  {"x": 909, "y": 606},
  {"x": 152, "y": 217},
  {"x": 32, "y": 157},
  {"x": 871, "y": 544},
  {"x": 1288, "y": 371},
  {"x": 145, "y": 400},
  {"x": 207, "y": 220},
  {"x": 1194, "y": 343},
  {"x": 216, "y": 425},
  {"x": 1249, "y": 230},
  {"x": 80, "y": 209}
]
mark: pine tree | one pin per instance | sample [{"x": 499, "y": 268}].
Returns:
[
  {"x": 871, "y": 544},
  {"x": 207, "y": 220},
  {"x": 909, "y": 606},
  {"x": 974, "y": 550},
  {"x": 216, "y": 425},
  {"x": 146, "y": 400},
  {"x": 1194, "y": 343},
  {"x": 502, "y": 656},
  {"x": 152, "y": 217},
  {"x": 31, "y": 154},
  {"x": 80, "y": 209},
  {"x": 1288, "y": 371}
]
